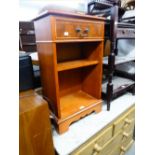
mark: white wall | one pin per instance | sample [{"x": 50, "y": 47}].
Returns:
[{"x": 30, "y": 8}]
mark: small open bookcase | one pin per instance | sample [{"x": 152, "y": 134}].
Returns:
[{"x": 71, "y": 66}]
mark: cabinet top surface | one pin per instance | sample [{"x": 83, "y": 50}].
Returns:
[
  {"x": 66, "y": 14},
  {"x": 29, "y": 100}
]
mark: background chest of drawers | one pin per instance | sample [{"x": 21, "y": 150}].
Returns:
[
  {"x": 34, "y": 125},
  {"x": 70, "y": 48},
  {"x": 115, "y": 139}
]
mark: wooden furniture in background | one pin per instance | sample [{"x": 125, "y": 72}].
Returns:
[
  {"x": 34, "y": 57},
  {"x": 34, "y": 125},
  {"x": 116, "y": 29},
  {"x": 115, "y": 139},
  {"x": 27, "y": 38},
  {"x": 70, "y": 48}
]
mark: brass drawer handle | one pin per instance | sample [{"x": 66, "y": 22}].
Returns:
[
  {"x": 82, "y": 34},
  {"x": 128, "y": 121},
  {"x": 97, "y": 148},
  {"x": 86, "y": 30},
  {"x": 78, "y": 29},
  {"x": 126, "y": 134},
  {"x": 124, "y": 149}
]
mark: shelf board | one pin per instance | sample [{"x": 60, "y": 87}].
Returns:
[
  {"x": 75, "y": 102},
  {"x": 75, "y": 64},
  {"x": 119, "y": 83},
  {"x": 27, "y": 34},
  {"x": 29, "y": 44},
  {"x": 118, "y": 60}
]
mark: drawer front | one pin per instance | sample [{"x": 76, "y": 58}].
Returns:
[
  {"x": 78, "y": 29},
  {"x": 99, "y": 140},
  {"x": 130, "y": 127},
  {"x": 125, "y": 121},
  {"x": 116, "y": 151},
  {"x": 131, "y": 115},
  {"x": 104, "y": 136},
  {"x": 107, "y": 148},
  {"x": 125, "y": 147},
  {"x": 126, "y": 140},
  {"x": 127, "y": 137}
]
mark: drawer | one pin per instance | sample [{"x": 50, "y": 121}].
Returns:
[
  {"x": 104, "y": 136},
  {"x": 124, "y": 121},
  {"x": 127, "y": 136},
  {"x": 116, "y": 151},
  {"x": 129, "y": 127},
  {"x": 126, "y": 147},
  {"x": 78, "y": 29},
  {"x": 107, "y": 148},
  {"x": 99, "y": 140}
]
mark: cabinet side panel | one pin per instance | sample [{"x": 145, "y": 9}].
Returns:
[
  {"x": 43, "y": 29},
  {"x": 48, "y": 62},
  {"x": 92, "y": 77},
  {"x": 49, "y": 77}
]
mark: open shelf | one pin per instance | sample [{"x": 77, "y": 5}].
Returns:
[
  {"x": 75, "y": 64},
  {"x": 118, "y": 83},
  {"x": 74, "y": 102},
  {"x": 119, "y": 60}
]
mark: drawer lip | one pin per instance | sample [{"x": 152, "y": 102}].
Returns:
[
  {"x": 78, "y": 20},
  {"x": 69, "y": 40},
  {"x": 67, "y": 14}
]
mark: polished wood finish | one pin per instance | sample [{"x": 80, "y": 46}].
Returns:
[
  {"x": 70, "y": 48},
  {"x": 35, "y": 136},
  {"x": 110, "y": 141},
  {"x": 78, "y": 29},
  {"x": 68, "y": 14},
  {"x": 76, "y": 64}
]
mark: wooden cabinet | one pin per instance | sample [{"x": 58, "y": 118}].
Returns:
[
  {"x": 35, "y": 136},
  {"x": 115, "y": 139},
  {"x": 70, "y": 48}
]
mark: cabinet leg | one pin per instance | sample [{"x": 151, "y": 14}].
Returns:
[
  {"x": 133, "y": 90},
  {"x": 98, "y": 109},
  {"x": 63, "y": 127},
  {"x": 109, "y": 94}
]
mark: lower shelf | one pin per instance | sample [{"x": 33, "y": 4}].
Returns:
[
  {"x": 75, "y": 102},
  {"x": 126, "y": 70},
  {"x": 75, "y": 64},
  {"x": 120, "y": 86},
  {"x": 119, "y": 60}
]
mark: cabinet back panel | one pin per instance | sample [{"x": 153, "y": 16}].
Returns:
[
  {"x": 75, "y": 51},
  {"x": 68, "y": 51},
  {"x": 92, "y": 82},
  {"x": 69, "y": 81},
  {"x": 90, "y": 50}
]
